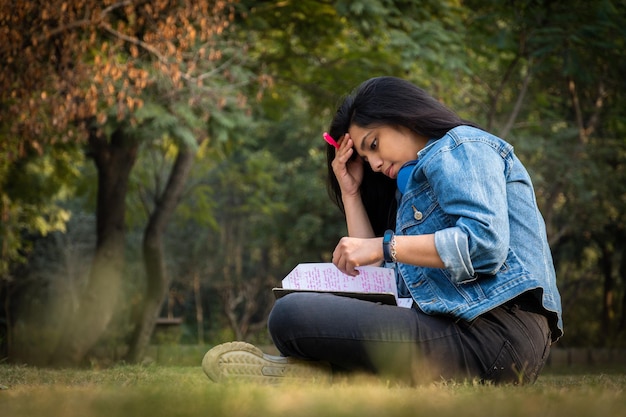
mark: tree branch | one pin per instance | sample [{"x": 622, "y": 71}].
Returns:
[
  {"x": 83, "y": 22},
  {"x": 495, "y": 97},
  {"x": 599, "y": 105},
  {"x": 115, "y": 6},
  {"x": 582, "y": 135},
  {"x": 518, "y": 105},
  {"x": 151, "y": 49}
]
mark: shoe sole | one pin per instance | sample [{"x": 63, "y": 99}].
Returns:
[{"x": 240, "y": 361}]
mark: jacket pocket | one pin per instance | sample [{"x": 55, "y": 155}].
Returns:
[{"x": 421, "y": 216}]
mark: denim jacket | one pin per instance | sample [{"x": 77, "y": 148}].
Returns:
[{"x": 473, "y": 193}]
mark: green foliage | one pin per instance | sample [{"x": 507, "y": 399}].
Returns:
[
  {"x": 567, "y": 132},
  {"x": 32, "y": 192},
  {"x": 547, "y": 75}
]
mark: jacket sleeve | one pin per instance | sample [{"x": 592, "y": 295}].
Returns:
[{"x": 469, "y": 180}]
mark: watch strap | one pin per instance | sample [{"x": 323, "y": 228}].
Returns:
[{"x": 387, "y": 239}]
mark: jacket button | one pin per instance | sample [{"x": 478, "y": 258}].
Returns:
[{"x": 417, "y": 215}]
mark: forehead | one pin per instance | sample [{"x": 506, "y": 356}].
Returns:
[{"x": 360, "y": 134}]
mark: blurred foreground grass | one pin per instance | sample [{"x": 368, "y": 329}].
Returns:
[{"x": 155, "y": 391}]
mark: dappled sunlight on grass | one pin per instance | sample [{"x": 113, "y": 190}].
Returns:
[{"x": 169, "y": 391}]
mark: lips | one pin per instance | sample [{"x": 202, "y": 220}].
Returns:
[{"x": 389, "y": 172}]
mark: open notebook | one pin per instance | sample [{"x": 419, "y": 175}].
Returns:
[{"x": 375, "y": 284}]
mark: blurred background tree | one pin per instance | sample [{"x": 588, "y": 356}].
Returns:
[{"x": 164, "y": 158}]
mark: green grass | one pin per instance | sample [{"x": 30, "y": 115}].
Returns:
[{"x": 155, "y": 391}]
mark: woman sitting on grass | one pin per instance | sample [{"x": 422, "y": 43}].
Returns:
[{"x": 453, "y": 210}]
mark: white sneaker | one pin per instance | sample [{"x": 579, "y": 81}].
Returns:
[{"x": 240, "y": 361}]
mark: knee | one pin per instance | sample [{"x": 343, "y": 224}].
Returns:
[
  {"x": 283, "y": 315},
  {"x": 296, "y": 313}
]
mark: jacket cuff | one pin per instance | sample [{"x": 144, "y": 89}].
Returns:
[{"x": 453, "y": 248}]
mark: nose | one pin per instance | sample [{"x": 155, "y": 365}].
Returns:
[{"x": 376, "y": 164}]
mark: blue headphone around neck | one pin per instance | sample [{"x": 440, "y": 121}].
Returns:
[{"x": 404, "y": 174}]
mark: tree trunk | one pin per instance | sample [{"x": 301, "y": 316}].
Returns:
[
  {"x": 608, "y": 312},
  {"x": 114, "y": 160},
  {"x": 157, "y": 278},
  {"x": 246, "y": 300},
  {"x": 622, "y": 274},
  {"x": 197, "y": 292}
]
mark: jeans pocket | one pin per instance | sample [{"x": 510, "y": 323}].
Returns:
[{"x": 507, "y": 367}]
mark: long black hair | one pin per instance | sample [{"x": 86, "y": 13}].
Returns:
[{"x": 394, "y": 102}]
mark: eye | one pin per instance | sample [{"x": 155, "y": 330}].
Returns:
[{"x": 374, "y": 144}]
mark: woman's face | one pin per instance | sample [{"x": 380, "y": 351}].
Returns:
[{"x": 386, "y": 148}]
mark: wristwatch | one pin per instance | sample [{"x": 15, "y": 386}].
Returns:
[{"x": 389, "y": 243}]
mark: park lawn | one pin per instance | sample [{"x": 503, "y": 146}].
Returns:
[{"x": 155, "y": 391}]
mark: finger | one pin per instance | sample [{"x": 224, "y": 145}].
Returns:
[
  {"x": 343, "y": 263},
  {"x": 337, "y": 257},
  {"x": 351, "y": 270},
  {"x": 339, "y": 260},
  {"x": 342, "y": 157},
  {"x": 344, "y": 144}
]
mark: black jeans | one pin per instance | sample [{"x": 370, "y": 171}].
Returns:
[{"x": 509, "y": 344}]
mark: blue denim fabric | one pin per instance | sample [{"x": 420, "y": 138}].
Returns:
[{"x": 473, "y": 193}]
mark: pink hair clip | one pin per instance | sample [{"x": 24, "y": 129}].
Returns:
[{"x": 330, "y": 140}]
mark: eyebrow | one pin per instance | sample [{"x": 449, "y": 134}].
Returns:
[{"x": 364, "y": 139}]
